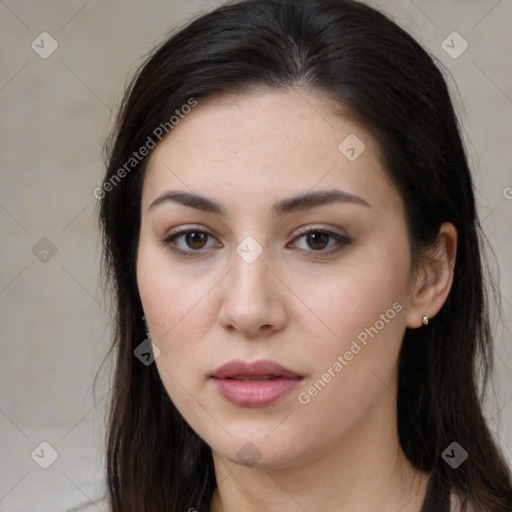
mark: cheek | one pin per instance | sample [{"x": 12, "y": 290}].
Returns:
[
  {"x": 178, "y": 308},
  {"x": 172, "y": 297},
  {"x": 364, "y": 307},
  {"x": 354, "y": 297}
]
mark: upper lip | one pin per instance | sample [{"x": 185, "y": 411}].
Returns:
[{"x": 262, "y": 368}]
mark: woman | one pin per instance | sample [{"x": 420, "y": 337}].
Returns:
[{"x": 290, "y": 230}]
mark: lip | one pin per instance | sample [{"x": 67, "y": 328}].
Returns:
[
  {"x": 257, "y": 393},
  {"x": 261, "y": 368}
]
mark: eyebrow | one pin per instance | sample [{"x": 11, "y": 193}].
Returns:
[{"x": 301, "y": 202}]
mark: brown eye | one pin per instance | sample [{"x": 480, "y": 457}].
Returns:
[
  {"x": 189, "y": 242},
  {"x": 196, "y": 239},
  {"x": 321, "y": 241},
  {"x": 317, "y": 240}
]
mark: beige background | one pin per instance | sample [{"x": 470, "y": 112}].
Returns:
[{"x": 56, "y": 113}]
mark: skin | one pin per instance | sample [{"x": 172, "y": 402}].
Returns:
[{"x": 295, "y": 305}]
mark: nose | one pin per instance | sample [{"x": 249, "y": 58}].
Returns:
[{"x": 252, "y": 299}]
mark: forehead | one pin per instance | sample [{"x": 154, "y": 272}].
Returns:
[{"x": 260, "y": 144}]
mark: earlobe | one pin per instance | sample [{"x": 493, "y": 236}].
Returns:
[{"x": 435, "y": 279}]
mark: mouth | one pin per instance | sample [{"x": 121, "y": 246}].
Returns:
[{"x": 255, "y": 384}]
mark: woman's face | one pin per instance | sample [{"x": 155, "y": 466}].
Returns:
[{"x": 255, "y": 173}]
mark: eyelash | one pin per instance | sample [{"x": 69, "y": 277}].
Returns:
[{"x": 340, "y": 239}]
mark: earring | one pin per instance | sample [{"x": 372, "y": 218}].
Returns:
[
  {"x": 146, "y": 327},
  {"x": 425, "y": 319}
]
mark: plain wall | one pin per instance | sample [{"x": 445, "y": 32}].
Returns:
[{"x": 56, "y": 114}]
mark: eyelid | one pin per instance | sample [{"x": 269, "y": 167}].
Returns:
[
  {"x": 342, "y": 240},
  {"x": 168, "y": 238},
  {"x": 321, "y": 229}
]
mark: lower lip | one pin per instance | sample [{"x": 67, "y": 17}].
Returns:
[{"x": 255, "y": 393}]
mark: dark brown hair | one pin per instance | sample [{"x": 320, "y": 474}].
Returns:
[{"x": 391, "y": 86}]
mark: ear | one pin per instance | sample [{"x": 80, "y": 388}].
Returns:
[{"x": 435, "y": 277}]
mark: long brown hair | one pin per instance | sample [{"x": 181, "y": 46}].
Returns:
[{"x": 392, "y": 87}]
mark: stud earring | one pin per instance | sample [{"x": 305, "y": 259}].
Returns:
[
  {"x": 425, "y": 319},
  {"x": 145, "y": 327}
]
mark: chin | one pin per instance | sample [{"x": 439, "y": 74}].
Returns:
[{"x": 261, "y": 450}]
